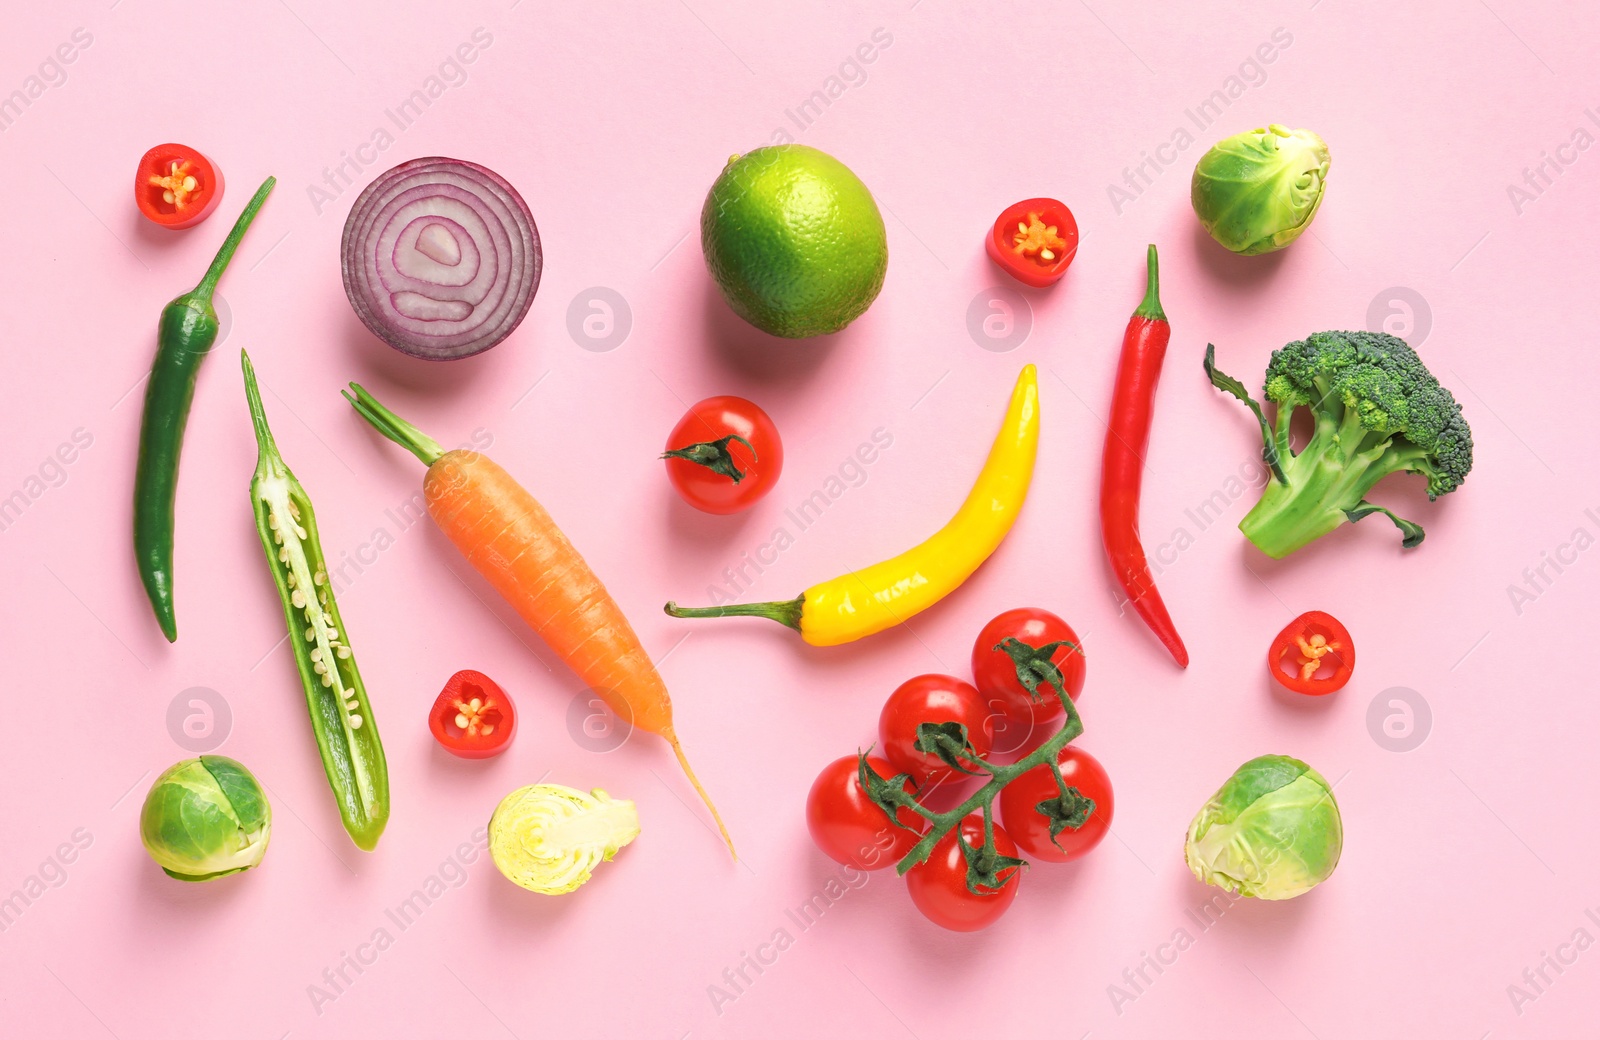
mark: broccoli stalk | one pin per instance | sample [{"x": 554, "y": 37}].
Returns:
[
  {"x": 1377, "y": 411},
  {"x": 1324, "y": 484}
]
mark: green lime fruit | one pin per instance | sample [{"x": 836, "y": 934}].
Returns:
[{"x": 794, "y": 241}]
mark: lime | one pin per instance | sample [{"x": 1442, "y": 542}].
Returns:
[{"x": 793, "y": 240}]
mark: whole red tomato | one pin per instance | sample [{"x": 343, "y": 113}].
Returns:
[
  {"x": 938, "y": 885},
  {"x": 1036, "y": 645},
  {"x": 930, "y": 698},
  {"x": 1019, "y": 807},
  {"x": 849, "y": 826},
  {"x": 724, "y": 454}
]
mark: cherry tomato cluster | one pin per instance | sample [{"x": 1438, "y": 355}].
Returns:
[{"x": 939, "y": 730}]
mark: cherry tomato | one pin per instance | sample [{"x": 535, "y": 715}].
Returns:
[
  {"x": 930, "y": 698},
  {"x": 1008, "y": 648},
  {"x": 723, "y": 455},
  {"x": 938, "y": 885},
  {"x": 1034, "y": 241},
  {"x": 849, "y": 826},
  {"x": 1313, "y": 655},
  {"x": 1019, "y": 807},
  {"x": 176, "y": 186},
  {"x": 473, "y": 717}
]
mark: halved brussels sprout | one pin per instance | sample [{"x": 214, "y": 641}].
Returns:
[
  {"x": 205, "y": 818},
  {"x": 1273, "y": 831},
  {"x": 1256, "y": 192},
  {"x": 549, "y": 838}
]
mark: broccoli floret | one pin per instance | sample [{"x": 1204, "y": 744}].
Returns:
[{"x": 1377, "y": 409}]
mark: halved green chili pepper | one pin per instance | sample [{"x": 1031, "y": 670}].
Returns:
[
  {"x": 188, "y": 329},
  {"x": 347, "y": 734}
]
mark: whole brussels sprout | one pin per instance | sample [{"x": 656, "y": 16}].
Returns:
[
  {"x": 205, "y": 818},
  {"x": 1273, "y": 831},
  {"x": 1255, "y": 192}
]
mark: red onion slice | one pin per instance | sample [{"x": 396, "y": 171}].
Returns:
[{"x": 441, "y": 258}]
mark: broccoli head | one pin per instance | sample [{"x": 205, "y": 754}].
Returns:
[{"x": 1377, "y": 410}]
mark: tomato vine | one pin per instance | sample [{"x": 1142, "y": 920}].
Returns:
[{"x": 1071, "y": 808}]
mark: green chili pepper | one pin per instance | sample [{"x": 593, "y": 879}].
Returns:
[
  {"x": 347, "y": 735},
  {"x": 188, "y": 329}
]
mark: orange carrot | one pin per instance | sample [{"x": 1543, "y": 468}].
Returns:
[{"x": 509, "y": 538}]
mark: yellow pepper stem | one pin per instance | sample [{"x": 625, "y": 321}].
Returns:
[{"x": 784, "y": 612}]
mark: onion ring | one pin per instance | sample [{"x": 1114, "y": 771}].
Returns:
[{"x": 441, "y": 258}]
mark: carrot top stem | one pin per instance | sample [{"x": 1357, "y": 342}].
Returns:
[{"x": 392, "y": 426}]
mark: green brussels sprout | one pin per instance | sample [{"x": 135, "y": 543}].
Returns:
[
  {"x": 1255, "y": 192},
  {"x": 205, "y": 818},
  {"x": 1272, "y": 832}
]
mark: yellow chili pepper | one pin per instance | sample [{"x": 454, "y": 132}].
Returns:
[{"x": 886, "y": 594}]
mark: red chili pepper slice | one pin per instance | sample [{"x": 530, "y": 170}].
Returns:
[
  {"x": 1144, "y": 347},
  {"x": 472, "y": 716},
  {"x": 1313, "y": 655},
  {"x": 176, "y": 186},
  {"x": 1034, "y": 241}
]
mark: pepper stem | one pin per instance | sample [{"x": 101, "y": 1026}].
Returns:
[
  {"x": 265, "y": 445},
  {"x": 784, "y": 612},
  {"x": 1150, "y": 308},
  {"x": 392, "y": 426},
  {"x": 230, "y": 245}
]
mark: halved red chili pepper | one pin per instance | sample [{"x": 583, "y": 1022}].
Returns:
[
  {"x": 1313, "y": 655},
  {"x": 176, "y": 186},
  {"x": 472, "y": 716},
  {"x": 1034, "y": 241}
]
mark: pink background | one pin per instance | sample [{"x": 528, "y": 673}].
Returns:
[{"x": 1468, "y": 859}]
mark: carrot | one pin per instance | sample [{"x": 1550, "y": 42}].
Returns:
[{"x": 510, "y": 539}]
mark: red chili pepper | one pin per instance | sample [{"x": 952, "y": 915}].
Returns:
[
  {"x": 1313, "y": 655},
  {"x": 1144, "y": 345},
  {"x": 473, "y": 717},
  {"x": 1034, "y": 241},
  {"x": 176, "y": 187}
]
